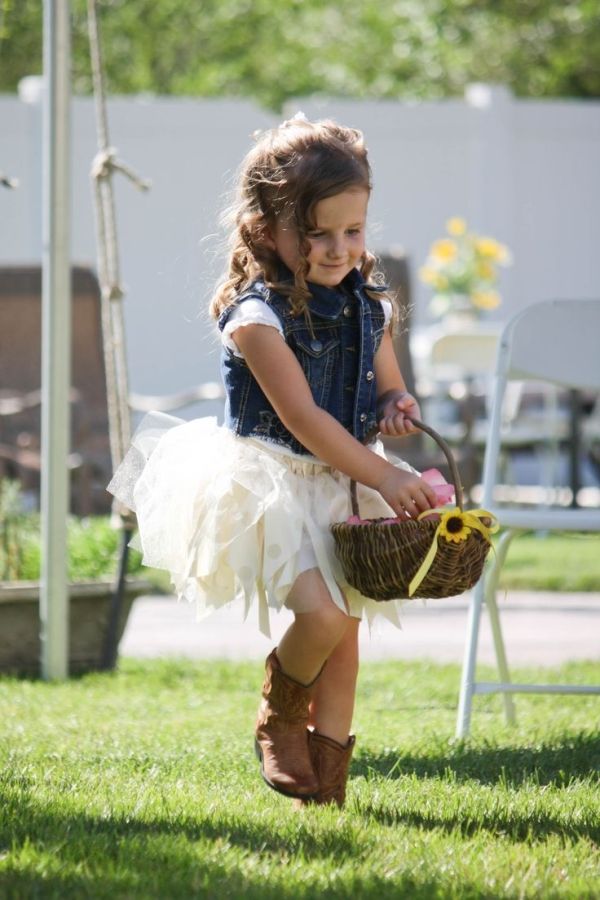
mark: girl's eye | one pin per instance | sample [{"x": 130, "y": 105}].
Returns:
[{"x": 316, "y": 235}]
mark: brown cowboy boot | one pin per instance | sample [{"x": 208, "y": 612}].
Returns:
[
  {"x": 331, "y": 762},
  {"x": 281, "y": 741}
]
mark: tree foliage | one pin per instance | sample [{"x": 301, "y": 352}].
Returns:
[{"x": 271, "y": 50}]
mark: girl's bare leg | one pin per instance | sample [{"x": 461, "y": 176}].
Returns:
[
  {"x": 323, "y": 635},
  {"x": 312, "y": 636},
  {"x": 332, "y": 706}
]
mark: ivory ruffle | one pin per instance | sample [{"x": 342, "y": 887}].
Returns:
[{"x": 238, "y": 519}]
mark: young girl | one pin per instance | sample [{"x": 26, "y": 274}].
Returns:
[{"x": 244, "y": 510}]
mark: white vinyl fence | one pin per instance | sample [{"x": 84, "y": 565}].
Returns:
[{"x": 526, "y": 172}]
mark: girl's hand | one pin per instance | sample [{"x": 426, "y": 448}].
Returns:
[
  {"x": 392, "y": 409},
  {"x": 407, "y": 494}
]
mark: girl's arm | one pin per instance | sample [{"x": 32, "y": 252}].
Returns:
[
  {"x": 393, "y": 400},
  {"x": 283, "y": 382}
]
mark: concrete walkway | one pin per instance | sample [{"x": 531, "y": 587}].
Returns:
[{"x": 541, "y": 628}]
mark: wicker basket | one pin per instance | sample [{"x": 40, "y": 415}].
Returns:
[{"x": 382, "y": 561}]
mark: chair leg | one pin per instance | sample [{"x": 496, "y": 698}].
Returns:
[
  {"x": 467, "y": 682},
  {"x": 484, "y": 590},
  {"x": 491, "y": 585}
]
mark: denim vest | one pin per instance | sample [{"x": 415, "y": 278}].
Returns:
[{"x": 336, "y": 356}]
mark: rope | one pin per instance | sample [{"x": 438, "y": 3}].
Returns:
[{"x": 105, "y": 164}]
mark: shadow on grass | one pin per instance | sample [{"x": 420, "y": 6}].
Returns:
[
  {"x": 28, "y": 820},
  {"x": 513, "y": 825},
  {"x": 74, "y": 855},
  {"x": 555, "y": 763},
  {"x": 210, "y": 881}
]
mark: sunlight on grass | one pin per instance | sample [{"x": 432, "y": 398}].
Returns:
[
  {"x": 553, "y": 563},
  {"x": 142, "y": 784}
]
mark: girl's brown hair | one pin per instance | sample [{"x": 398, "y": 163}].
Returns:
[{"x": 289, "y": 170}]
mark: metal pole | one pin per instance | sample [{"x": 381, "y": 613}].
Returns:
[
  {"x": 574, "y": 445},
  {"x": 56, "y": 340},
  {"x": 111, "y": 642}
]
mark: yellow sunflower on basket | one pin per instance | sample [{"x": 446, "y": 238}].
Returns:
[{"x": 453, "y": 526}]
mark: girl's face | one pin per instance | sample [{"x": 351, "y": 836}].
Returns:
[{"x": 337, "y": 242}]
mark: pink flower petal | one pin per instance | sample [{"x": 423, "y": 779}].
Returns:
[
  {"x": 433, "y": 477},
  {"x": 444, "y": 492}
]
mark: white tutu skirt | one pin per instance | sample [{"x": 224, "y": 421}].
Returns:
[{"x": 239, "y": 519}]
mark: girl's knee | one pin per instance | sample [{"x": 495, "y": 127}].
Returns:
[
  {"x": 328, "y": 620},
  {"x": 324, "y": 616}
]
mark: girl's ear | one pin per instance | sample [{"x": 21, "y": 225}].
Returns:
[{"x": 268, "y": 239}]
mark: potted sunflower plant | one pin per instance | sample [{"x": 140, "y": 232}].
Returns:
[{"x": 462, "y": 271}]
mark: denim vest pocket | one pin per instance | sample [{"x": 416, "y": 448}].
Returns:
[{"x": 318, "y": 356}]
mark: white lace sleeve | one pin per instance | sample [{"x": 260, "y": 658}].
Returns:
[
  {"x": 387, "y": 312},
  {"x": 249, "y": 312}
]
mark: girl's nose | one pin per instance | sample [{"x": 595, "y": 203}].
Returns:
[{"x": 336, "y": 247}]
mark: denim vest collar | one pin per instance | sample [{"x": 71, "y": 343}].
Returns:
[{"x": 328, "y": 303}]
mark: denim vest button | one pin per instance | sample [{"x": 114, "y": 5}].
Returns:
[
  {"x": 317, "y": 346},
  {"x": 363, "y": 417},
  {"x": 370, "y": 375},
  {"x": 348, "y": 311}
]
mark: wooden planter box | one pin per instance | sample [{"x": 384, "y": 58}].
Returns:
[{"x": 88, "y": 621}]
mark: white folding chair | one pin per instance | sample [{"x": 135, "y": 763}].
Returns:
[
  {"x": 557, "y": 341},
  {"x": 456, "y": 360},
  {"x": 459, "y": 365}
]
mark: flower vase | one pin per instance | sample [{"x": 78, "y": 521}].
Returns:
[{"x": 461, "y": 312}]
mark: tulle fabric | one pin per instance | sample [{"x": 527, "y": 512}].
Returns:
[{"x": 237, "y": 519}]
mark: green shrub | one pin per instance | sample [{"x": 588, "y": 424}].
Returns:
[
  {"x": 13, "y": 523},
  {"x": 92, "y": 543}
]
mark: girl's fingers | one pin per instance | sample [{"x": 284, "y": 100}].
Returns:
[
  {"x": 409, "y": 504},
  {"x": 417, "y": 502},
  {"x": 426, "y": 498},
  {"x": 408, "y": 408},
  {"x": 407, "y": 494},
  {"x": 396, "y": 426},
  {"x": 431, "y": 496},
  {"x": 386, "y": 426}
]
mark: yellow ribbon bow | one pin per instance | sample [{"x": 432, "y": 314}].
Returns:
[{"x": 454, "y": 525}]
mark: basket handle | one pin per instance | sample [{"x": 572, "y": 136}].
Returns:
[{"x": 454, "y": 473}]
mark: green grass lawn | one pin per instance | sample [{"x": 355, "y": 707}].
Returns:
[
  {"x": 554, "y": 562},
  {"x": 143, "y": 784}
]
